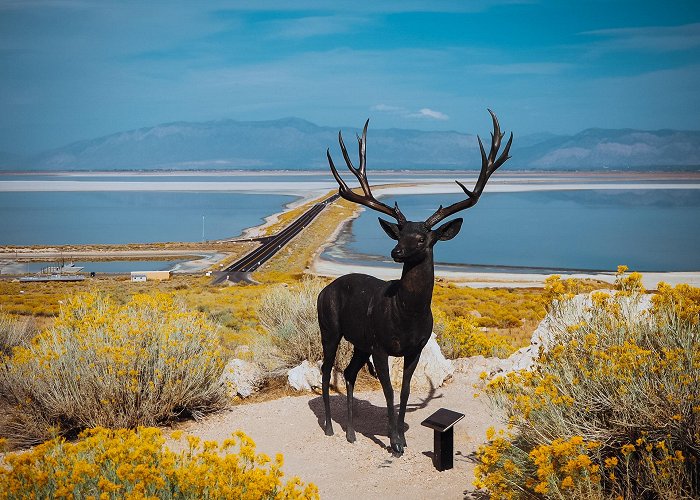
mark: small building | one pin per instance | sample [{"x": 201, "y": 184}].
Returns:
[{"x": 150, "y": 275}]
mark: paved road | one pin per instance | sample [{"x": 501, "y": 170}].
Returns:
[{"x": 239, "y": 270}]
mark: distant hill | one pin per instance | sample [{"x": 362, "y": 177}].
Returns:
[{"x": 293, "y": 143}]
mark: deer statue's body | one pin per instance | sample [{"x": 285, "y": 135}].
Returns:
[{"x": 390, "y": 318}]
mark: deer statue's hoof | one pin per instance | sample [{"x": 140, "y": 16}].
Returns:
[
  {"x": 328, "y": 430},
  {"x": 397, "y": 448},
  {"x": 350, "y": 435}
]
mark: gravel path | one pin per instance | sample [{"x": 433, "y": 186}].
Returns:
[{"x": 365, "y": 469}]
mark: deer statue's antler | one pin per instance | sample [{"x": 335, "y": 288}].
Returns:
[
  {"x": 489, "y": 164},
  {"x": 368, "y": 200}
]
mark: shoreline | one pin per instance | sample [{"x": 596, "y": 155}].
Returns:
[
  {"x": 327, "y": 268},
  {"x": 307, "y": 191}
]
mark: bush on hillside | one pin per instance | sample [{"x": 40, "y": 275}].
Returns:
[
  {"x": 105, "y": 364},
  {"x": 612, "y": 407},
  {"x": 289, "y": 315},
  {"x": 124, "y": 463},
  {"x": 461, "y": 337}
]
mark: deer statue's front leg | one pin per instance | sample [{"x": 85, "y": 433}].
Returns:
[
  {"x": 381, "y": 366},
  {"x": 410, "y": 361}
]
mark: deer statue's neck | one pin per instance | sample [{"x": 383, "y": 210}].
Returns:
[{"x": 416, "y": 285}]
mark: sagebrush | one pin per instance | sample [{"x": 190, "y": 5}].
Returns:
[
  {"x": 612, "y": 407},
  {"x": 289, "y": 315},
  {"x": 14, "y": 332},
  {"x": 106, "y": 364}
]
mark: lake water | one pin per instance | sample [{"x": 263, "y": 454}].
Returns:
[
  {"x": 647, "y": 230},
  {"x": 56, "y": 218},
  {"x": 592, "y": 229}
]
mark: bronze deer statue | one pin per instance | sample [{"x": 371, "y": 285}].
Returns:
[{"x": 390, "y": 318}]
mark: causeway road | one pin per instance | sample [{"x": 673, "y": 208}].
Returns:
[{"x": 240, "y": 270}]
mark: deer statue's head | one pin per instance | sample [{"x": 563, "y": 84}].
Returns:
[{"x": 416, "y": 239}]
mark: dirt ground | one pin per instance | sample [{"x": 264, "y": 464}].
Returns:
[{"x": 365, "y": 469}]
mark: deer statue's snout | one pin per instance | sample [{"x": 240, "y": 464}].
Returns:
[{"x": 398, "y": 253}]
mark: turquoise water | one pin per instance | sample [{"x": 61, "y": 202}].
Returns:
[
  {"x": 56, "y": 218},
  {"x": 647, "y": 230}
]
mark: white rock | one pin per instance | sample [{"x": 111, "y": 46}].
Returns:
[
  {"x": 304, "y": 377},
  {"x": 337, "y": 378},
  {"x": 432, "y": 370},
  {"x": 241, "y": 378}
]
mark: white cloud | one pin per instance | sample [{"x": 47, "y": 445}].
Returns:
[
  {"x": 389, "y": 109},
  {"x": 536, "y": 68},
  {"x": 650, "y": 38},
  {"x": 307, "y": 27},
  {"x": 428, "y": 113},
  {"x": 381, "y": 6},
  {"x": 431, "y": 114}
]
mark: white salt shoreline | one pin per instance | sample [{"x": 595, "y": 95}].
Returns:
[
  {"x": 317, "y": 188},
  {"x": 323, "y": 267}
]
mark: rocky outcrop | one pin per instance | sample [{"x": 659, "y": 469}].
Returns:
[
  {"x": 565, "y": 314},
  {"x": 304, "y": 377},
  {"x": 241, "y": 378},
  {"x": 432, "y": 371}
]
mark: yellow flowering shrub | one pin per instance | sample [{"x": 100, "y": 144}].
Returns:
[
  {"x": 683, "y": 300},
  {"x": 459, "y": 337},
  {"x": 612, "y": 406},
  {"x": 556, "y": 288},
  {"x": 501, "y": 308},
  {"x": 628, "y": 284},
  {"x": 136, "y": 464},
  {"x": 109, "y": 364}
]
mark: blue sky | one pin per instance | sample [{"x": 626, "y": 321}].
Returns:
[{"x": 78, "y": 69}]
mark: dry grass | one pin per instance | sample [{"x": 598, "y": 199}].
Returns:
[
  {"x": 15, "y": 332},
  {"x": 289, "y": 315}
]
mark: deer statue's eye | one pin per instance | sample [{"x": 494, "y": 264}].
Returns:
[{"x": 421, "y": 239}]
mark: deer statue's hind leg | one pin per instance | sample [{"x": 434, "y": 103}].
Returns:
[{"x": 359, "y": 358}]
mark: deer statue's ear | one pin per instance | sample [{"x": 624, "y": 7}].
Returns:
[
  {"x": 449, "y": 229},
  {"x": 390, "y": 228}
]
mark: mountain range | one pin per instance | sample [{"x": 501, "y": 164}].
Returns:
[{"x": 296, "y": 144}]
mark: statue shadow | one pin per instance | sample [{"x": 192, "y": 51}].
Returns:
[{"x": 369, "y": 420}]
